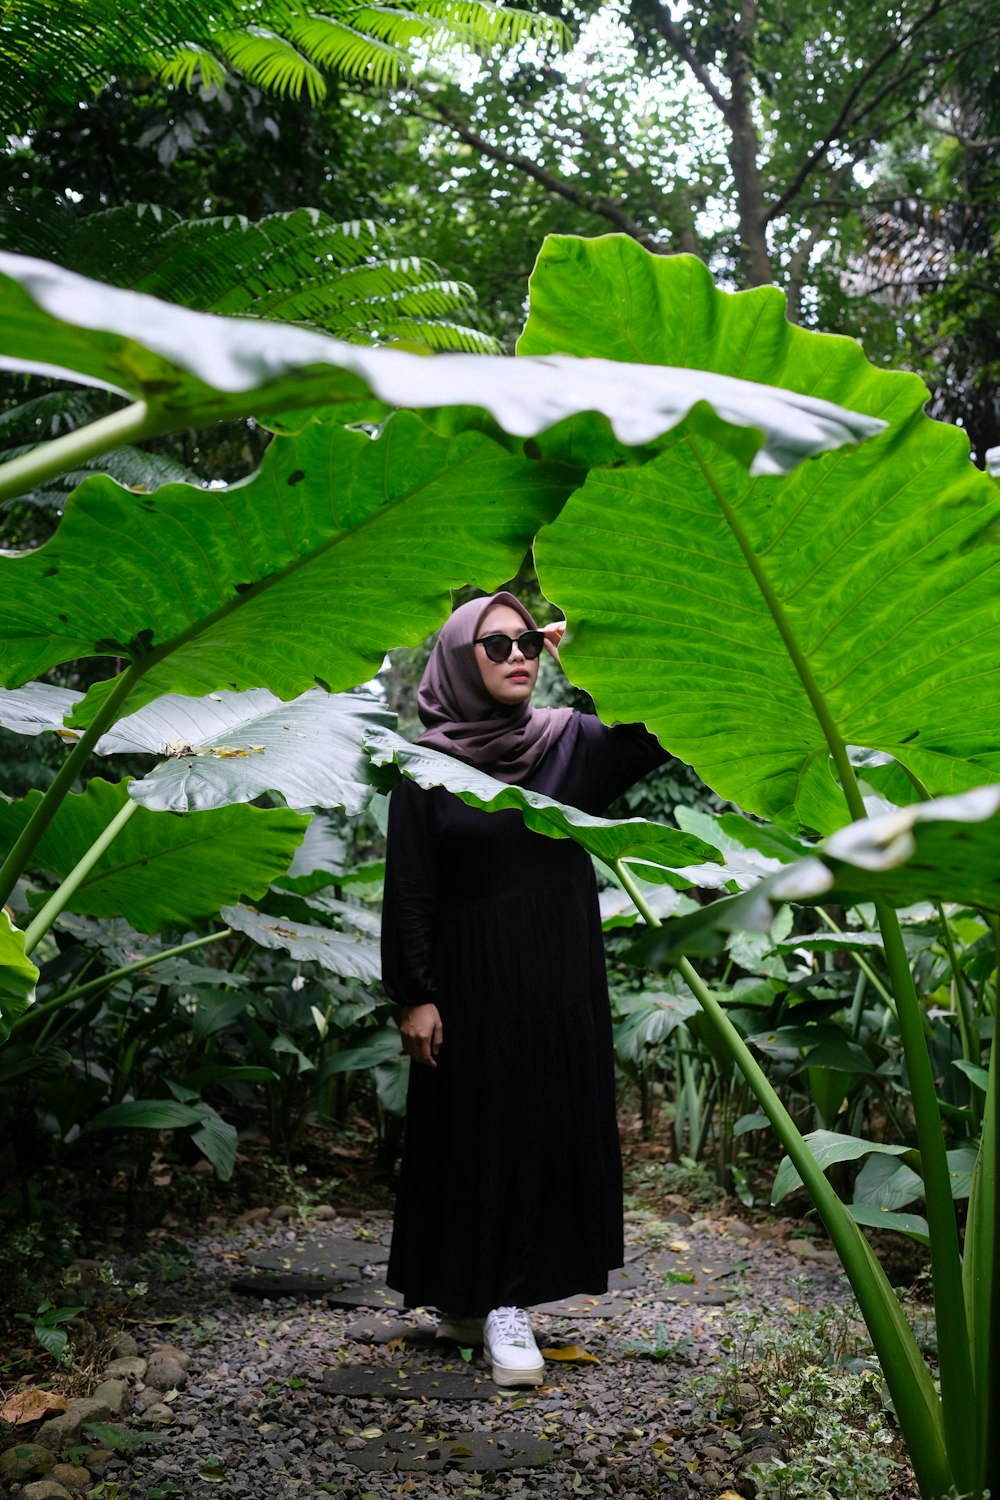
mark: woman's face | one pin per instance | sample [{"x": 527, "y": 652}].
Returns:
[{"x": 511, "y": 681}]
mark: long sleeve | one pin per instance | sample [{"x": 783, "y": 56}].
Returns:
[
  {"x": 608, "y": 760},
  {"x": 408, "y": 908}
]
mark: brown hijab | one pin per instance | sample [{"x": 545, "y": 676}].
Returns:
[{"x": 464, "y": 720}]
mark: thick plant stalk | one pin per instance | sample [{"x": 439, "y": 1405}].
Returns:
[
  {"x": 963, "y": 1414},
  {"x": 19, "y": 857},
  {"x": 981, "y": 1277},
  {"x": 62, "y": 896},
  {"x": 128, "y": 425},
  {"x": 103, "y": 981},
  {"x": 914, "y": 1398},
  {"x": 963, "y": 1004}
]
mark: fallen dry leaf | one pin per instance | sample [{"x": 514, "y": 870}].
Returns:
[
  {"x": 31, "y": 1406},
  {"x": 572, "y": 1354}
]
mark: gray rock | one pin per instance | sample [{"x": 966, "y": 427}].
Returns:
[
  {"x": 183, "y": 1359},
  {"x": 112, "y": 1393},
  {"x": 148, "y": 1396},
  {"x": 64, "y": 1430},
  {"x": 159, "y": 1412},
  {"x": 165, "y": 1373},
  {"x": 73, "y": 1476},
  {"x": 127, "y": 1364},
  {"x": 284, "y": 1212},
  {"x": 45, "y": 1489},
  {"x": 254, "y": 1216},
  {"x": 124, "y": 1346},
  {"x": 23, "y": 1460}
]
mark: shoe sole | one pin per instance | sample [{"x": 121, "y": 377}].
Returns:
[{"x": 511, "y": 1375}]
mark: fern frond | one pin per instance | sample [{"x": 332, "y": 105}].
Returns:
[
  {"x": 301, "y": 267},
  {"x": 494, "y": 24},
  {"x": 44, "y": 417},
  {"x": 52, "y": 56},
  {"x": 129, "y": 466},
  {"x": 271, "y": 62},
  {"x": 41, "y": 418},
  {"x": 361, "y": 299},
  {"x": 440, "y": 337},
  {"x": 332, "y": 43},
  {"x": 190, "y": 65}
]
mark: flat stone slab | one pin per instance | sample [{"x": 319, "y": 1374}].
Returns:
[
  {"x": 382, "y": 1330},
  {"x": 682, "y": 1276},
  {"x": 633, "y": 1274},
  {"x": 279, "y": 1286},
  {"x": 365, "y": 1294},
  {"x": 607, "y": 1306},
  {"x": 398, "y": 1385},
  {"x": 471, "y": 1452},
  {"x": 316, "y": 1253}
]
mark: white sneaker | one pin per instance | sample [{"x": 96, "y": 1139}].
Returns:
[
  {"x": 509, "y": 1342},
  {"x": 460, "y": 1329}
]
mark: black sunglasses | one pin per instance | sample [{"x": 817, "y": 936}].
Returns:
[{"x": 498, "y": 647}]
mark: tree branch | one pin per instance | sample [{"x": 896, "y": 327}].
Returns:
[
  {"x": 847, "y": 115},
  {"x": 671, "y": 33},
  {"x": 442, "y": 114}
]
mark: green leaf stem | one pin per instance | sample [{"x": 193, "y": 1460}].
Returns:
[{"x": 162, "y": 869}]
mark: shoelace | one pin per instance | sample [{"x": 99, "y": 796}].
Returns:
[{"x": 513, "y": 1326}]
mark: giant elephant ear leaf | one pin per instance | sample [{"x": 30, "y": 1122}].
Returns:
[
  {"x": 162, "y": 869},
  {"x": 757, "y": 624},
  {"x": 336, "y": 549},
  {"x": 233, "y": 747},
  {"x": 659, "y": 850},
  {"x": 184, "y": 368},
  {"x": 18, "y": 975}
]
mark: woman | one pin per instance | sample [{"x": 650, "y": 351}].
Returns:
[{"x": 510, "y": 1188}]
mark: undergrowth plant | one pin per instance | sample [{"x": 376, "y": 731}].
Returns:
[{"x": 813, "y": 1378}]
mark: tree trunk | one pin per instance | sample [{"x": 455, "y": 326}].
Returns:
[{"x": 743, "y": 150}]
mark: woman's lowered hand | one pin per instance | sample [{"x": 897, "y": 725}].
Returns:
[{"x": 420, "y": 1028}]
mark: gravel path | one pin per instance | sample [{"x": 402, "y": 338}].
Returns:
[{"x": 259, "y": 1413}]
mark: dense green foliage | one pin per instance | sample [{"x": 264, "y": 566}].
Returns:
[
  {"x": 553, "y": 432},
  {"x": 813, "y": 637}
]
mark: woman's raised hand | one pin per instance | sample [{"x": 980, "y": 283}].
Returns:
[
  {"x": 553, "y": 635},
  {"x": 421, "y": 1030}
]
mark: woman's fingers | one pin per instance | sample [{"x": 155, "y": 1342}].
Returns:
[
  {"x": 422, "y": 1033},
  {"x": 553, "y": 635}
]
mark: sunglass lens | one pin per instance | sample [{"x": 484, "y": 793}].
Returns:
[{"x": 497, "y": 647}]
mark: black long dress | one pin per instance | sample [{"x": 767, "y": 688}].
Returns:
[{"x": 510, "y": 1191}]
